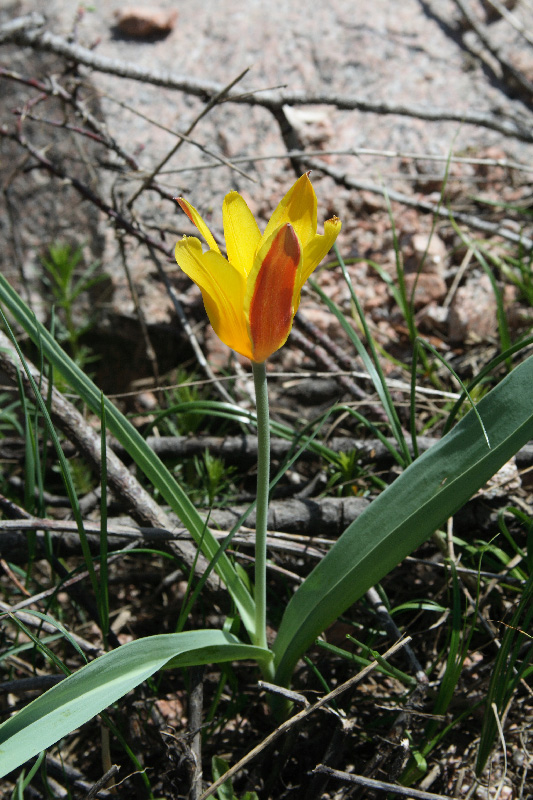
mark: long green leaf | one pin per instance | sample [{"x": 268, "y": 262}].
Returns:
[
  {"x": 429, "y": 491},
  {"x": 82, "y": 695},
  {"x": 134, "y": 444}
]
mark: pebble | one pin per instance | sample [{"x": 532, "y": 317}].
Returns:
[{"x": 145, "y": 22}]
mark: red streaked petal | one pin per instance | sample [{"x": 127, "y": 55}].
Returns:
[
  {"x": 271, "y": 309},
  {"x": 197, "y": 220}
]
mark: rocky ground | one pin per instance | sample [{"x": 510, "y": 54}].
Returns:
[
  {"x": 420, "y": 57},
  {"x": 426, "y": 101}
]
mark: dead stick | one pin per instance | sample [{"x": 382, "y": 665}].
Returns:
[
  {"x": 381, "y": 786},
  {"x": 122, "y": 482},
  {"x": 271, "y": 99},
  {"x": 297, "y": 718}
]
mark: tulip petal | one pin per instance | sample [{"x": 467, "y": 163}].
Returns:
[
  {"x": 268, "y": 300},
  {"x": 222, "y": 288},
  {"x": 298, "y": 208},
  {"x": 314, "y": 252},
  {"x": 197, "y": 220},
  {"x": 241, "y": 232},
  {"x": 251, "y": 297}
]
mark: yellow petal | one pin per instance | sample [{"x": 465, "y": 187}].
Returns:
[
  {"x": 269, "y": 294},
  {"x": 298, "y": 208},
  {"x": 197, "y": 220},
  {"x": 222, "y": 288},
  {"x": 314, "y": 252},
  {"x": 252, "y": 297},
  {"x": 241, "y": 232}
]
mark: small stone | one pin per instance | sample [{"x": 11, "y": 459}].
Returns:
[
  {"x": 312, "y": 124},
  {"x": 472, "y": 315},
  {"x": 433, "y": 317},
  {"x": 427, "y": 286},
  {"x": 429, "y": 253},
  {"x": 505, "y": 481},
  {"x": 144, "y": 22}
]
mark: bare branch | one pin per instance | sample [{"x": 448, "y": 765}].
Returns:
[
  {"x": 512, "y": 19},
  {"x": 78, "y": 430},
  {"x": 370, "y": 783},
  {"x": 492, "y": 228},
  {"x": 512, "y": 75},
  {"x": 298, "y": 718},
  {"x": 273, "y": 100}
]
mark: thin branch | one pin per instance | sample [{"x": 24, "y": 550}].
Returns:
[
  {"x": 382, "y": 786},
  {"x": 294, "y": 525},
  {"x": 183, "y": 137},
  {"x": 359, "y": 152},
  {"x": 300, "y": 717},
  {"x": 53, "y": 88},
  {"x": 328, "y": 354},
  {"x": 196, "y": 707},
  {"x": 392, "y": 629},
  {"x": 509, "y": 72},
  {"x": 78, "y": 430},
  {"x": 15, "y": 26},
  {"x": 273, "y": 100},
  {"x": 36, "y": 622},
  {"x": 491, "y": 228},
  {"x": 87, "y": 193},
  {"x": 512, "y": 19},
  {"x": 210, "y": 105}
]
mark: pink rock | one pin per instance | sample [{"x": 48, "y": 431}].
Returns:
[
  {"x": 145, "y": 22},
  {"x": 433, "y": 318},
  {"x": 472, "y": 314},
  {"x": 312, "y": 124},
  {"x": 429, "y": 253},
  {"x": 428, "y": 288}
]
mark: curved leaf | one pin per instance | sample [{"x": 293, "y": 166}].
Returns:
[
  {"x": 429, "y": 491},
  {"x": 85, "y": 693}
]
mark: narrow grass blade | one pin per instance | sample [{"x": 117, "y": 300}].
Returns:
[
  {"x": 63, "y": 464},
  {"x": 420, "y": 343},
  {"x": 147, "y": 461},
  {"x": 483, "y": 373},
  {"x": 509, "y": 668},
  {"x": 215, "y": 408},
  {"x": 103, "y": 595},
  {"x": 371, "y": 362}
]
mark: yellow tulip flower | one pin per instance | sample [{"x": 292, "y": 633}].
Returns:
[{"x": 252, "y": 296}]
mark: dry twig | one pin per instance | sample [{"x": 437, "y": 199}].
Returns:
[
  {"x": 298, "y": 718},
  {"x": 25, "y": 35}
]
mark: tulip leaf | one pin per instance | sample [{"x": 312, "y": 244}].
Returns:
[
  {"x": 134, "y": 444},
  {"x": 406, "y": 513},
  {"x": 85, "y": 693}
]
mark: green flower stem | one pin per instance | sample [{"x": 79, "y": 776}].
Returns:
[{"x": 263, "y": 477}]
